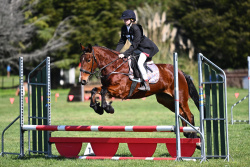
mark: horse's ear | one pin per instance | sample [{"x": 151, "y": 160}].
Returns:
[
  {"x": 89, "y": 48},
  {"x": 82, "y": 47}
]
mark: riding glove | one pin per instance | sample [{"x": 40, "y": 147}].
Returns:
[{"x": 121, "y": 55}]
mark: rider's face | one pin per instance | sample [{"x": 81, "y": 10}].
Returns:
[{"x": 127, "y": 21}]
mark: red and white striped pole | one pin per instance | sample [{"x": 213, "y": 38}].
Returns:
[{"x": 108, "y": 128}]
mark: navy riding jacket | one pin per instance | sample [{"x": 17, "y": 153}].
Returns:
[{"x": 138, "y": 41}]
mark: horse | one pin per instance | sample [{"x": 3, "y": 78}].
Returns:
[{"x": 114, "y": 74}]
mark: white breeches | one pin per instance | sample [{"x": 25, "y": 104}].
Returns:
[{"x": 141, "y": 60}]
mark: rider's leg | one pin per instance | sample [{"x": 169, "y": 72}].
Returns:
[
  {"x": 141, "y": 61},
  {"x": 134, "y": 65}
]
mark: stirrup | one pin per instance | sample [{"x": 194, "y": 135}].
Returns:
[{"x": 144, "y": 87}]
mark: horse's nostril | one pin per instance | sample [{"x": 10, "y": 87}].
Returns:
[{"x": 84, "y": 82}]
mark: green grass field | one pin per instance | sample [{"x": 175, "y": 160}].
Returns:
[
  {"x": 9, "y": 82},
  {"x": 132, "y": 112}
]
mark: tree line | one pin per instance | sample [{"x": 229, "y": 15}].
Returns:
[{"x": 39, "y": 28}]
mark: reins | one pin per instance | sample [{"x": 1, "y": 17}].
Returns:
[{"x": 98, "y": 73}]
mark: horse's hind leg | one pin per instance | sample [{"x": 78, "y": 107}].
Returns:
[
  {"x": 95, "y": 104},
  {"x": 168, "y": 101},
  {"x": 189, "y": 117}
]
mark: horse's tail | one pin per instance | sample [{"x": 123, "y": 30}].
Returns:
[{"x": 192, "y": 90}]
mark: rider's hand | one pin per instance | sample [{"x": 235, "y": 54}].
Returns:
[{"x": 121, "y": 55}]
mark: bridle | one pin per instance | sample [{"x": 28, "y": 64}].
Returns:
[
  {"x": 88, "y": 72},
  {"x": 98, "y": 73}
]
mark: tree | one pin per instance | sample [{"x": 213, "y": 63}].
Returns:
[
  {"x": 18, "y": 34},
  {"x": 219, "y": 29},
  {"x": 167, "y": 38},
  {"x": 92, "y": 21},
  {"x": 13, "y": 33}
]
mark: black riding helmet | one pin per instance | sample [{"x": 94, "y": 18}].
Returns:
[{"x": 128, "y": 14}]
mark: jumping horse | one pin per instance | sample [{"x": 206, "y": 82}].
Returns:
[{"x": 114, "y": 72}]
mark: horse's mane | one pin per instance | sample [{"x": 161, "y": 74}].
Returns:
[
  {"x": 111, "y": 50},
  {"x": 109, "y": 56}
]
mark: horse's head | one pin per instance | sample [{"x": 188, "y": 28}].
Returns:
[{"x": 88, "y": 64}]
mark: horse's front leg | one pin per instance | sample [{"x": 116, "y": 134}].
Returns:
[
  {"x": 106, "y": 105},
  {"x": 95, "y": 104}
]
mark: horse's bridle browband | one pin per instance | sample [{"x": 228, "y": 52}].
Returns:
[{"x": 100, "y": 69}]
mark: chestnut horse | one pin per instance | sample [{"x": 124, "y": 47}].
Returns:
[{"x": 114, "y": 72}]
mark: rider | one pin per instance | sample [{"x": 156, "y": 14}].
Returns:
[{"x": 140, "y": 44}]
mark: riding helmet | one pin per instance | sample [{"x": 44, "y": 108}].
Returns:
[{"x": 128, "y": 14}]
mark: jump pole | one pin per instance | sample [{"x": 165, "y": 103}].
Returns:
[
  {"x": 21, "y": 105},
  {"x": 177, "y": 123},
  {"x": 109, "y": 128}
]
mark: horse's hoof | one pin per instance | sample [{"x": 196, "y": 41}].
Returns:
[
  {"x": 97, "y": 108},
  {"x": 198, "y": 146},
  {"x": 191, "y": 135},
  {"x": 100, "y": 111},
  {"x": 109, "y": 109}
]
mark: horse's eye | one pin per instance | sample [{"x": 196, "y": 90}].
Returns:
[{"x": 88, "y": 60}]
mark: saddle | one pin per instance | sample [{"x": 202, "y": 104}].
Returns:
[{"x": 135, "y": 75}]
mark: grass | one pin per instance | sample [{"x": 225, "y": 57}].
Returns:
[
  {"x": 9, "y": 82},
  {"x": 132, "y": 112}
]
